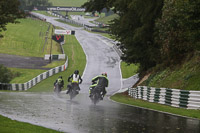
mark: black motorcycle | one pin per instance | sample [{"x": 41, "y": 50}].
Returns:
[
  {"x": 96, "y": 94},
  {"x": 57, "y": 88},
  {"x": 73, "y": 90}
]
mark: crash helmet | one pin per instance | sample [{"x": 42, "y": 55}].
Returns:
[
  {"x": 76, "y": 72},
  {"x": 104, "y": 74}
]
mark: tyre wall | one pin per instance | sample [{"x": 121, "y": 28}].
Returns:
[{"x": 173, "y": 97}]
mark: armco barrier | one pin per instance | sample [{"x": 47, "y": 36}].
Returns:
[
  {"x": 72, "y": 22},
  {"x": 34, "y": 81},
  {"x": 54, "y": 57},
  {"x": 173, "y": 97}
]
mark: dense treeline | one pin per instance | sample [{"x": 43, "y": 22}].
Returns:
[
  {"x": 9, "y": 12},
  {"x": 177, "y": 31},
  {"x": 153, "y": 32},
  {"x": 30, "y": 4}
]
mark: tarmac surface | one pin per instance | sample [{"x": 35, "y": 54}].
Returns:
[
  {"x": 16, "y": 61},
  {"x": 81, "y": 116}
]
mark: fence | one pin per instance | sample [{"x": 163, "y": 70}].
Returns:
[
  {"x": 173, "y": 97},
  {"x": 72, "y": 22},
  {"x": 34, "y": 81}
]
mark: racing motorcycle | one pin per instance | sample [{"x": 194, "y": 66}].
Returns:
[
  {"x": 73, "y": 90},
  {"x": 57, "y": 88},
  {"x": 96, "y": 94}
]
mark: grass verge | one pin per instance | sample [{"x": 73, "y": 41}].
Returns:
[
  {"x": 107, "y": 19},
  {"x": 72, "y": 13},
  {"x": 74, "y": 25},
  {"x": 44, "y": 13},
  {"x": 185, "y": 76},
  {"x": 27, "y": 38},
  {"x": 76, "y": 60},
  {"x": 128, "y": 70},
  {"x": 124, "y": 98},
  {"x": 24, "y": 75},
  {"x": 12, "y": 126}
]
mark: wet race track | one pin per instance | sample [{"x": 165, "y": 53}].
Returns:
[{"x": 80, "y": 115}]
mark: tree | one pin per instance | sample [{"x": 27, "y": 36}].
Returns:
[
  {"x": 9, "y": 12},
  {"x": 178, "y": 30},
  {"x": 5, "y": 75},
  {"x": 97, "y": 5},
  {"x": 30, "y": 4},
  {"x": 134, "y": 28}
]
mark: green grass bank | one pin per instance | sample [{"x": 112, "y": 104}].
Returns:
[
  {"x": 184, "y": 76},
  {"x": 12, "y": 126},
  {"x": 76, "y": 60},
  {"x": 128, "y": 70},
  {"x": 125, "y": 99},
  {"x": 107, "y": 19},
  {"x": 27, "y": 38},
  {"x": 70, "y": 3}
]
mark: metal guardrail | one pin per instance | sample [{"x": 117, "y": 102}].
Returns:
[
  {"x": 173, "y": 97},
  {"x": 71, "y": 21},
  {"x": 37, "y": 16}
]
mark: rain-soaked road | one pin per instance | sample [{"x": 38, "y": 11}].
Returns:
[{"x": 80, "y": 115}]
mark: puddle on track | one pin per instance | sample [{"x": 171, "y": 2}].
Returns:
[{"x": 80, "y": 115}]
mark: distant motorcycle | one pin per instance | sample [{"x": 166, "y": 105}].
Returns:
[
  {"x": 73, "y": 90},
  {"x": 57, "y": 88},
  {"x": 96, "y": 95}
]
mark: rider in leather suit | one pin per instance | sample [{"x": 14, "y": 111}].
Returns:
[
  {"x": 76, "y": 79},
  {"x": 100, "y": 81}
]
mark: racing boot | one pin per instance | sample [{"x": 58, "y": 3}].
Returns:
[
  {"x": 90, "y": 92},
  {"x": 101, "y": 98}
]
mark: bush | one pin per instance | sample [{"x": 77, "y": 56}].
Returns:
[
  {"x": 178, "y": 30},
  {"x": 5, "y": 75}
]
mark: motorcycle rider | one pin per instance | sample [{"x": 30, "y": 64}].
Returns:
[
  {"x": 60, "y": 82},
  {"x": 76, "y": 79},
  {"x": 92, "y": 87},
  {"x": 100, "y": 81}
]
